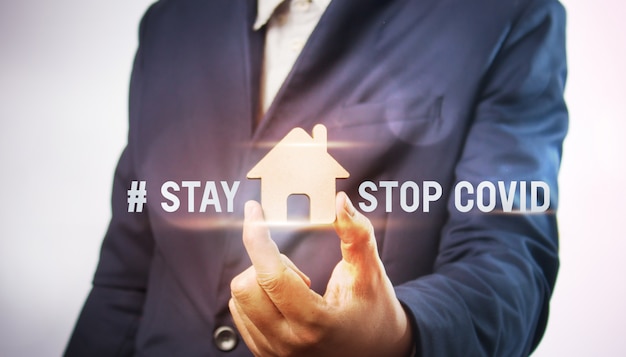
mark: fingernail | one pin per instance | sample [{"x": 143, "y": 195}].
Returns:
[{"x": 349, "y": 207}]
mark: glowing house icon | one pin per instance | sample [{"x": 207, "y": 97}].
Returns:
[{"x": 299, "y": 165}]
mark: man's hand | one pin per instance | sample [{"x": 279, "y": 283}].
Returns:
[{"x": 279, "y": 315}]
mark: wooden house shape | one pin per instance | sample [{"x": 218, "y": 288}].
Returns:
[{"x": 299, "y": 165}]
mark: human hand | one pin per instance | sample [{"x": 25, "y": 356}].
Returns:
[{"x": 279, "y": 315}]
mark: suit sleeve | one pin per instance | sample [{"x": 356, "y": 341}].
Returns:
[
  {"x": 110, "y": 317},
  {"x": 494, "y": 274}
]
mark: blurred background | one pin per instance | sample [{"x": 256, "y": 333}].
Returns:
[{"x": 64, "y": 71}]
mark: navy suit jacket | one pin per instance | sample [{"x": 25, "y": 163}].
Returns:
[{"x": 429, "y": 90}]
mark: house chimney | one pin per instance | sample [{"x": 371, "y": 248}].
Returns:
[{"x": 319, "y": 135}]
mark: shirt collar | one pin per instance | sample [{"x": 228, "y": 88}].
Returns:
[{"x": 265, "y": 9}]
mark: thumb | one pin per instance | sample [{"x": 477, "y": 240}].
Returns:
[
  {"x": 358, "y": 244},
  {"x": 261, "y": 249},
  {"x": 274, "y": 271}
]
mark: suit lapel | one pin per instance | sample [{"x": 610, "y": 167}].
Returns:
[
  {"x": 338, "y": 28},
  {"x": 202, "y": 136}
]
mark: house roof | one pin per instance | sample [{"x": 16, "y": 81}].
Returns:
[{"x": 300, "y": 153}]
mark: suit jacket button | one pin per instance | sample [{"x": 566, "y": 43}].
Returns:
[{"x": 225, "y": 338}]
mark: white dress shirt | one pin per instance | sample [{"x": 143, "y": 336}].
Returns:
[{"x": 289, "y": 25}]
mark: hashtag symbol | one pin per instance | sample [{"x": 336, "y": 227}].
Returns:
[{"x": 137, "y": 196}]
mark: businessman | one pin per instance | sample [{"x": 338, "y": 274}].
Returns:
[{"x": 429, "y": 91}]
